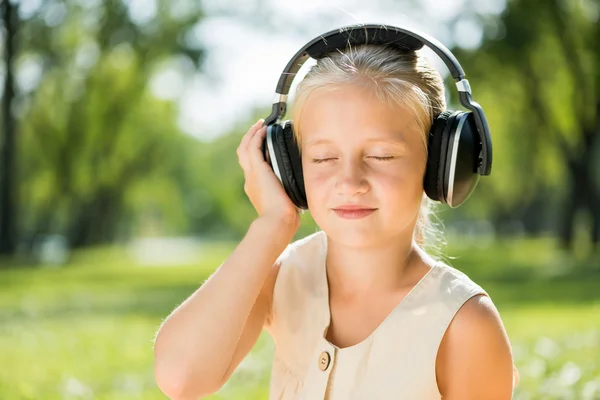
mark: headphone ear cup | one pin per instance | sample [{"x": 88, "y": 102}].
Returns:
[
  {"x": 437, "y": 144},
  {"x": 287, "y": 165},
  {"x": 464, "y": 145},
  {"x": 295, "y": 173}
]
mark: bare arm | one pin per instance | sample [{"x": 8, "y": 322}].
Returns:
[
  {"x": 195, "y": 346},
  {"x": 475, "y": 358},
  {"x": 205, "y": 338}
]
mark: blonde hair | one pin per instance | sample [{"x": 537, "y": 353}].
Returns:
[{"x": 397, "y": 78}]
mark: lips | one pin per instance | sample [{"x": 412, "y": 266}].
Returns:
[
  {"x": 353, "y": 211},
  {"x": 353, "y": 207}
]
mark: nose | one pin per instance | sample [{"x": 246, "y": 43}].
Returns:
[{"x": 351, "y": 178}]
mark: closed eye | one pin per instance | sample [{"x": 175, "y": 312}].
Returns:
[
  {"x": 320, "y": 160},
  {"x": 388, "y": 158}
]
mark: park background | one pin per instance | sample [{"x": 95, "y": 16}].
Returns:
[{"x": 120, "y": 189}]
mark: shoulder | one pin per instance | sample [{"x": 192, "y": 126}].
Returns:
[
  {"x": 295, "y": 274},
  {"x": 475, "y": 357},
  {"x": 454, "y": 274},
  {"x": 302, "y": 254}
]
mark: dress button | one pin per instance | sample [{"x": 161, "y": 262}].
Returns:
[{"x": 324, "y": 360}]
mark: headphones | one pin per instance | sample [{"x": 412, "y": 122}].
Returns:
[{"x": 459, "y": 143}]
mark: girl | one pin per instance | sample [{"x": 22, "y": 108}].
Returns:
[{"x": 357, "y": 310}]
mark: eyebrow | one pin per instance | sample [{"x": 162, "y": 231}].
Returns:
[{"x": 392, "y": 141}]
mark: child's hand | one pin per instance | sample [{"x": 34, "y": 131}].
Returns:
[{"x": 262, "y": 186}]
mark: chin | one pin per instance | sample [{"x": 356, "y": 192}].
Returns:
[
  {"x": 361, "y": 233},
  {"x": 355, "y": 235}
]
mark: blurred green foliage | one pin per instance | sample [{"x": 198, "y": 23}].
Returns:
[
  {"x": 101, "y": 158},
  {"x": 537, "y": 76},
  {"x": 97, "y": 150}
]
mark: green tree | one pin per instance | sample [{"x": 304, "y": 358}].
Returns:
[
  {"x": 92, "y": 132},
  {"x": 537, "y": 73}
]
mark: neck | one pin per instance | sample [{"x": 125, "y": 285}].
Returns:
[{"x": 380, "y": 268}]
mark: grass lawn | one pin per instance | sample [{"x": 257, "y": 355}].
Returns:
[{"x": 85, "y": 330}]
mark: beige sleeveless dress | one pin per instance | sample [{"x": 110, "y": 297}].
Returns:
[{"x": 397, "y": 361}]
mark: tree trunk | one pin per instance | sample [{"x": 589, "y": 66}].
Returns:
[
  {"x": 8, "y": 189},
  {"x": 583, "y": 196},
  {"x": 592, "y": 140},
  {"x": 570, "y": 207}
]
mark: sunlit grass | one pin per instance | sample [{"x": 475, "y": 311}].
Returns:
[{"x": 85, "y": 330}]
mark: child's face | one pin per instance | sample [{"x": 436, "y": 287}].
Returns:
[{"x": 348, "y": 128}]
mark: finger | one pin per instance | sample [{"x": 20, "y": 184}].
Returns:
[
  {"x": 248, "y": 135},
  {"x": 242, "y": 149},
  {"x": 255, "y": 154}
]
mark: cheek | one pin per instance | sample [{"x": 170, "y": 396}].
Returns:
[
  {"x": 403, "y": 183},
  {"x": 314, "y": 182},
  {"x": 393, "y": 185}
]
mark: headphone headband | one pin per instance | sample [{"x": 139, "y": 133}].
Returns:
[{"x": 401, "y": 38}]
